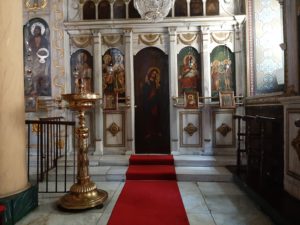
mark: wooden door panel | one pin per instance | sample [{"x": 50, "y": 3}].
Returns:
[{"x": 151, "y": 82}]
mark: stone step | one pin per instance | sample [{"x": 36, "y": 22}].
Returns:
[
  {"x": 202, "y": 161},
  {"x": 114, "y": 167},
  {"x": 180, "y": 160},
  {"x": 117, "y": 173},
  {"x": 203, "y": 174}
]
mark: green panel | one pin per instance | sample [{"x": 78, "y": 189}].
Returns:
[
  {"x": 19, "y": 205},
  {"x": 222, "y": 70}
]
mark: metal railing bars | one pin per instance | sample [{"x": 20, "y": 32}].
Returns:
[
  {"x": 49, "y": 141},
  {"x": 254, "y": 130}
]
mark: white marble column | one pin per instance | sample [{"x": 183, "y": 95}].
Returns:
[
  {"x": 68, "y": 73},
  {"x": 188, "y": 2},
  {"x": 237, "y": 7},
  {"x": 206, "y": 89},
  {"x": 97, "y": 10},
  {"x": 98, "y": 89},
  {"x": 13, "y": 169},
  {"x": 204, "y": 7},
  {"x": 127, "y": 8},
  {"x": 173, "y": 83},
  {"x": 111, "y": 9},
  {"x": 81, "y": 10},
  {"x": 130, "y": 115},
  {"x": 240, "y": 63},
  {"x": 206, "y": 84},
  {"x": 67, "y": 57},
  {"x": 239, "y": 53}
]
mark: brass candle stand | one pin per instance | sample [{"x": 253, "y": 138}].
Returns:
[{"x": 83, "y": 194}]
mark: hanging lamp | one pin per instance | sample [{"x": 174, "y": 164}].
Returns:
[{"x": 153, "y": 10}]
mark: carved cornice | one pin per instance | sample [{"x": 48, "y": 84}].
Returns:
[
  {"x": 172, "y": 30},
  {"x": 205, "y": 29},
  {"x": 224, "y": 129},
  {"x": 203, "y": 25},
  {"x": 264, "y": 100},
  {"x": 190, "y": 129}
]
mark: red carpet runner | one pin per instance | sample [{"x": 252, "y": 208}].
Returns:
[{"x": 150, "y": 195}]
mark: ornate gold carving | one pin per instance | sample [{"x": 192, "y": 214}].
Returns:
[
  {"x": 221, "y": 37},
  {"x": 296, "y": 144},
  {"x": 114, "y": 129},
  {"x": 35, "y": 4},
  {"x": 224, "y": 129},
  {"x": 190, "y": 129},
  {"x": 81, "y": 41},
  {"x": 58, "y": 48},
  {"x": 112, "y": 40},
  {"x": 187, "y": 38},
  {"x": 150, "y": 39},
  {"x": 35, "y": 128}
]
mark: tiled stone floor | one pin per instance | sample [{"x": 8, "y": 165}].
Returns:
[{"x": 206, "y": 203}]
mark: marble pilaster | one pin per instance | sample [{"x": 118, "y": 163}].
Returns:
[
  {"x": 98, "y": 89},
  {"x": 206, "y": 89},
  {"x": 173, "y": 83},
  {"x": 239, "y": 53},
  {"x": 129, "y": 91}
]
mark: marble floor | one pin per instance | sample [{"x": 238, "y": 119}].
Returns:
[{"x": 206, "y": 203}]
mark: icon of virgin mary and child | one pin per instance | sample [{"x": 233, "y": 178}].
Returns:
[{"x": 188, "y": 75}]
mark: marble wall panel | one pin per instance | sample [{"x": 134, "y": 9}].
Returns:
[
  {"x": 223, "y": 128},
  {"x": 114, "y": 129},
  {"x": 190, "y": 129},
  {"x": 293, "y": 144}
]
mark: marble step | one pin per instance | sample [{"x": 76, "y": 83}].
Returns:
[
  {"x": 203, "y": 174},
  {"x": 114, "y": 167},
  {"x": 117, "y": 173},
  {"x": 180, "y": 160},
  {"x": 202, "y": 161}
]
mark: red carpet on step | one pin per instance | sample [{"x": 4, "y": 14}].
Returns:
[
  {"x": 150, "y": 195},
  {"x": 151, "y": 172},
  {"x": 151, "y": 160}
]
